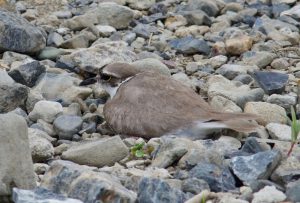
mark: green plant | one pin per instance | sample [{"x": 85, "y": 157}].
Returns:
[
  {"x": 203, "y": 199},
  {"x": 295, "y": 129},
  {"x": 137, "y": 150}
]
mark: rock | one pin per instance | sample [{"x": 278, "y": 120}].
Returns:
[
  {"x": 155, "y": 190},
  {"x": 254, "y": 167},
  {"x": 293, "y": 12},
  {"x": 197, "y": 17},
  {"x": 151, "y": 64},
  {"x": 140, "y": 4},
  {"x": 268, "y": 194},
  {"x": 292, "y": 191},
  {"x": 105, "y": 14},
  {"x": 12, "y": 96},
  {"x": 27, "y": 73},
  {"x": 194, "y": 185},
  {"x": 244, "y": 78},
  {"x": 218, "y": 178},
  {"x": 17, "y": 34},
  {"x": 145, "y": 30},
  {"x": 280, "y": 64},
  {"x": 98, "y": 55},
  {"x": 62, "y": 87},
  {"x": 32, "y": 99},
  {"x": 45, "y": 110},
  {"x": 40, "y": 168},
  {"x": 223, "y": 104},
  {"x": 268, "y": 113},
  {"x": 81, "y": 183},
  {"x": 175, "y": 21},
  {"x": 261, "y": 59},
  {"x": 98, "y": 153},
  {"x": 251, "y": 146},
  {"x": 285, "y": 101},
  {"x": 288, "y": 171},
  {"x": 5, "y": 79},
  {"x": 230, "y": 71},
  {"x": 220, "y": 86},
  {"x": 105, "y": 30},
  {"x": 54, "y": 39},
  {"x": 190, "y": 45},
  {"x": 40, "y": 195},
  {"x": 279, "y": 131},
  {"x": 238, "y": 45},
  {"x": 79, "y": 41},
  {"x": 41, "y": 148},
  {"x": 271, "y": 82},
  {"x": 16, "y": 167},
  {"x": 67, "y": 125},
  {"x": 209, "y": 7},
  {"x": 51, "y": 53},
  {"x": 184, "y": 79}
]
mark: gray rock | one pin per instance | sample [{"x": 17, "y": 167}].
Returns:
[
  {"x": 12, "y": 96},
  {"x": 81, "y": 183},
  {"x": 140, "y": 4},
  {"x": 268, "y": 194},
  {"x": 209, "y": 7},
  {"x": 27, "y": 73},
  {"x": 40, "y": 168},
  {"x": 230, "y": 71},
  {"x": 293, "y": 191},
  {"x": 285, "y": 101},
  {"x": 145, "y": 30},
  {"x": 153, "y": 190},
  {"x": 41, "y": 148},
  {"x": 196, "y": 17},
  {"x": 223, "y": 104},
  {"x": 279, "y": 131},
  {"x": 260, "y": 59},
  {"x": 105, "y": 30},
  {"x": 32, "y": 99},
  {"x": 244, "y": 78},
  {"x": 40, "y": 195},
  {"x": 98, "y": 153},
  {"x": 194, "y": 185},
  {"x": 220, "y": 86},
  {"x": 105, "y": 14},
  {"x": 54, "y": 39},
  {"x": 280, "y": 64},
  {"x": 17, "y": 34},
  {"x": 78, "y": 41},
  {"x": 67, "y": 125},
  {"x": 16, "y": 168},
  {"x": 254, "y": 167},
  {"x": 251, "y": 146},
  {"x": 5, "y": 79},
  {"x": 218, "y": 178},
  {"x": 293, "y": 12},
  {"x": 151, "y": 64},
  {"x": 46, "y": 110},
  {"x": 51, "y": 53},
  {"x": 190, "y": 45}
]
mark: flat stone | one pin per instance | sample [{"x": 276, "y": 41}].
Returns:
[
  {"x": 268, "y": 113},
  {"x": 268, "y": 194},
  {"x": 105, "y": 30},
  {"x": 194, "y": 185},
  {"x": 145, "y": 30},
  {"x": 260, "y": 59},
  {"x": 67, "y": 125},
  {"x": 16, "y": 163},
  {"x": 80, "y": 182},
  {"x": 190, "y": 45},
  {"x": 97, "y": 153},
  {"x": 45, "y": 110},
  {"x": 271, "y": 82},
  {"x": 17, "y": 34},
  {"x": 79, "y": 41},
  {"x": 151, "y": 64},
  {"x": 285, "y": 101},
  {"x": 279, "y": 131},
  {"x": 230, "y": 71},
  {"x": 223, "y": 104},
  {"x": 40, "y": 195},
  {"x": 156, "y": 190},
  {"x": 254, "y": 167}
]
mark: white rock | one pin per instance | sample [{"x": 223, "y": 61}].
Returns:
[
  {"x": 268, "y": 194},
  {"x": 46, "y": 110},
  {"x": 279, "y": 131}
]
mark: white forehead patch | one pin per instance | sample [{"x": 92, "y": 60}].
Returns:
[{"x": 113, "y": 90}]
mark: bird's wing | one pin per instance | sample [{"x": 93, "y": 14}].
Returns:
[{"x": 150, "y": 105}]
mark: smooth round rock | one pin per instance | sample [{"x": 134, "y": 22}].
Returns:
[{"x": 67, "y": 125}]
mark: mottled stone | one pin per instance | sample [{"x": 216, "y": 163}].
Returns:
[{"x": 238, "y": 45}]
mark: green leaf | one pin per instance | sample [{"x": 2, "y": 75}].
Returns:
[{"x": 139, "y": 153}]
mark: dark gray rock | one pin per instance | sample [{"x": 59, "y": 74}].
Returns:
[
  {"x": 17, "y": 34},
  {"x": 271, "y": 82},
  {"x": 80, "y": 182},
  {"x": 158, "y": 191},
  {"x": 12, "y": 96},
  {"x": 28, "y": 73},
  {"x": 209, "y": 7},
  {"x": 244, "y": 78},
  {"x": 197, "y": 17},
  {"x": 40, "y": 195},
  {"x": 254, "y": 167},
  {"x": 194, "y": 185},
  {"x": 190, "y": 45},
  {"x": 145, "y": 30},
  {"x": 293, "y": 191},
  {"x": 67, "y": 125},
  {"x": 218, "y": 178},
  {"x": 252, "y": 146},
  {"x": 257, "y": 185}
]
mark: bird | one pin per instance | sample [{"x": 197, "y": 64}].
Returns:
[{"x": 148, "y": 104}]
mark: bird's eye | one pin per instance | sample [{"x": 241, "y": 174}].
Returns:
[{"x": 105, "y": 77}]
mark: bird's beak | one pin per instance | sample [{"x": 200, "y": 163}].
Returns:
[{"x": 89, "y": 81}]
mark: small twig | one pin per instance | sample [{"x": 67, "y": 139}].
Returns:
[
  {"x": 150, "y": 39},
  {"x": 291, "y": 148}
]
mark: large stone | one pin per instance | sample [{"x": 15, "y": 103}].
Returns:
[
  {"x": 151, "y": 64},
  {"x": 271, "y": 82},
  {"x": 220, "y": 86},
  {"x": 254, "y": 167},
  {"x": 279, "y": 131},
  {"x": 260, "y": 59},
  {"x": 268, "y": 113},
  {"x": 268, "y": 194},
  {"x": 285, "y": 101},
  {"x": 17, "y": 34},
  {"x": 190, "y": 45},
  {"x": 80, "y": 182},
  {"x": 67, "y": 125},
  {"x": 105, "y": 14},
  {"x": 238, "y": 45},
  {"x": 46, "y": 110},
  {"x": 153, "y": 190},
  {"x": 16, "y": 168},
  {"x": 98, "y": 153}
]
